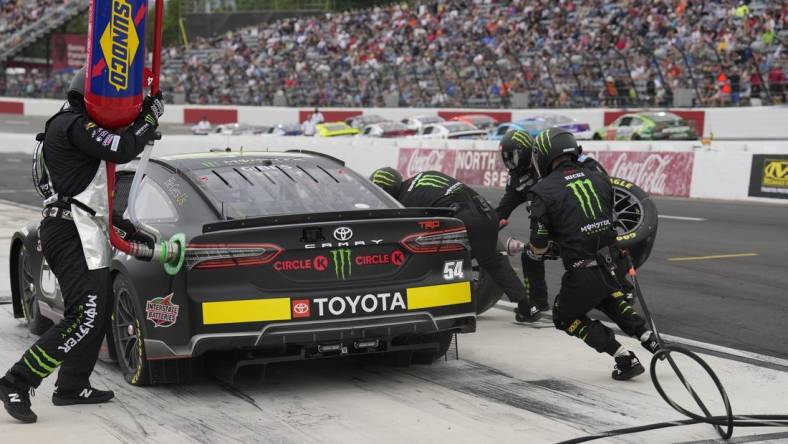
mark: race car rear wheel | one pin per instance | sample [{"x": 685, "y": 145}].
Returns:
[
  {"x": 127, "y": 334},
  {"x": 486, "y": 292},
  {"x": 30, "y": 292},
  {"x": 636, "y": 219}
]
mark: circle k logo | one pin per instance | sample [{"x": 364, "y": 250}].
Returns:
[
  {"x": 397, "y": 257},
  {"x": 320, "y": 263},
  {"x": 343, "y": 234}
]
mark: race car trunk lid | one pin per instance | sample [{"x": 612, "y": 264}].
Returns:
[{"x": 354, "y": 248}]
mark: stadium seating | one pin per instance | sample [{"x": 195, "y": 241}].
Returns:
[{"x": 463, "y": 53}]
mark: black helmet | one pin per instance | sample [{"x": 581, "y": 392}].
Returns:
[
  {"x": 76, "y": 90},
  {"x": 516, "y": 148},
  {"x": 551, "y": 144},
  {"x": 389, "y": 179}
]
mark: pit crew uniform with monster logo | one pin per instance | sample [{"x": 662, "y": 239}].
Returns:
[
  {"x": 435, "y": 189},
  {"x": 74, "y": 237}
]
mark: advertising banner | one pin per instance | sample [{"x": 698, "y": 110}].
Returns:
[
  {"x": 68, "y": 50},
  {"x": 658, "y": 173},
  {"x": 769, "y": 176}
]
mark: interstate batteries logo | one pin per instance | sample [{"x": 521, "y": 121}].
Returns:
[
  {"x": 162, "y": 312},
  {"x": 119, "y": 43}
]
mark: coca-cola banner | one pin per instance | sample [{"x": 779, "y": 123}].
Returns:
[{"x": 661, "y": 173}]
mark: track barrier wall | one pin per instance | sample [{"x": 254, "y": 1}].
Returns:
[{"x": 766, "y": 122}]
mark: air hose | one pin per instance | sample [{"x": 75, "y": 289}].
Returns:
[{"x": 723, "y": 424}]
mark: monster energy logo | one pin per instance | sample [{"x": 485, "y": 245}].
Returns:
[
  {"x": 583, "y": 190},
  {"x": 343, "y": 262},
  {"x": 432, "y": 180},
  {"x": 383, "y": 178},
  {"x": 523, "y": 138},
  {"x": 543, "y": 141}
]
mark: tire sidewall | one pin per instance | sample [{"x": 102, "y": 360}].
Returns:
[
  {"x": 36, "y": 322},
  {"x": 140, "y": 376},
  {"x": 639, "y": 241}
]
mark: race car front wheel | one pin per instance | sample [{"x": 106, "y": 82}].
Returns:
[{"x": 127, "y": 334}]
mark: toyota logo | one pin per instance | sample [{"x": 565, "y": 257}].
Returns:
[
  {"x": 301, "y": 308},
  {"x": 343, "y": 234}
]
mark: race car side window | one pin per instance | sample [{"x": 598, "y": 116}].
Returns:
[
  {"x": 428, "y": 130},
  {"x": 625, "y": 121},
  {"x": 502, "y": 130},
  {"x": 153, "y": 205}
]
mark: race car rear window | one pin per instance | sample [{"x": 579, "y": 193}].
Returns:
[{"x": 288, "y": 188}]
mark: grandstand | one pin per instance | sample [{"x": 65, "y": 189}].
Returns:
[{"x": 484, "y": 54}]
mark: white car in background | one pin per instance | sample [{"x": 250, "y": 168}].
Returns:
[
  {"x": 453, "y": 130},
  {"x": 417, "y": 123},
  {"x": 387, "y": 130}
]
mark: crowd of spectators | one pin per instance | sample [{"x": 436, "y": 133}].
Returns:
[
  {"x": 487, "y": 53},
  {"x": 17, "y": 17}
]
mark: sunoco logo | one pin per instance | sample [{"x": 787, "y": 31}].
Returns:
[
  {"x": 343, "y": 263},
  {"x": 119, "y": 44}
]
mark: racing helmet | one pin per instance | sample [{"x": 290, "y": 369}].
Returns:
[
  {"x": 516, "y": 146},
  {"x": 551, "y": 144},
  {"x": 76, "y": 89},
  {"x": 389, "y": 179}
]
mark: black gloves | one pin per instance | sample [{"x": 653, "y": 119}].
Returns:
[{"x": 155, "y": 104}]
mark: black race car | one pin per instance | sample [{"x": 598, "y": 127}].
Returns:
[{"x": 290, "y": 256}]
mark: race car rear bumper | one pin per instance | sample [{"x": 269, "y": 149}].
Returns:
[{"x": 314, "y": 333}]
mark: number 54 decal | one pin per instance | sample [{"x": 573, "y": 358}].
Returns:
[{"x": 453, "y": 270}]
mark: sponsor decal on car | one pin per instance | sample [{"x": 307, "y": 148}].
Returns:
[
  {"x": 301, "y": 308},
  {"x": 162, "y": 311},
  {"x": 343, "y": 264},
  {"x": 339, "y": 306},
  {"x": 430, "y": 224}
]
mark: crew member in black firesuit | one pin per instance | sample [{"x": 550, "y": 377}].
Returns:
[
  {"x": 435, "y": 189},
  {"x": 515, "y": 149},
  {"x": 572, "y": 205},
  {"x": 74, "y": 238}
]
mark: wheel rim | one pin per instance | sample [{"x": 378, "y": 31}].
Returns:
[
  {"x": 627, "y": 209},
  {"x": 126, "y": 331},
  {"x": 27, "y": 286}
]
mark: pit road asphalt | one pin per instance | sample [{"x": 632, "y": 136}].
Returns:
[{"x": 737, "y": 302}]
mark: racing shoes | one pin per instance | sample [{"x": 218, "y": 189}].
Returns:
[
  {"x": 17, "y": 401},
  {"x": 627, "y": 367},
  {"x": 527, "y": 313},
  {"x": 87, "y": 395},
  {"x": 650, "y": 343}
]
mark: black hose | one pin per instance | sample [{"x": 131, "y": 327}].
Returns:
[{"x": 729, "y": 420}]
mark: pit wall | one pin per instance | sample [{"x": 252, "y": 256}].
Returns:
[
  {"x": 744, "y": 170},
  {"x": 750, "y": 123}
]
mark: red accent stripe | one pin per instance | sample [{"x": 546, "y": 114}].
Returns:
[
  {"x": 140, "y": 14},
  {"x": 7, "y": 107}
]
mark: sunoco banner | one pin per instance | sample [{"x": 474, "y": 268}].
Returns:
[
  {"x": 769, "y": 176},
  {"x": 660, "y": 173}
]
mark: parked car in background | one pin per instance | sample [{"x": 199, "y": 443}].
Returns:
[
  {"x": 659, "y": 125},
  {"x": 359, "y": 122},
  {"x": 237, "y": 129},
  {"x": 453, "y": 130},
  {"x": 334, "y": 129},
  {"x": 480, "y": 121},
  {"x": 417, "y": 123},
  {"x": 387, "y": 129},
  {"x": 582, "y": 131},
  {"x": 532, "y": 127},
  {"x": 286, "y": 129}
]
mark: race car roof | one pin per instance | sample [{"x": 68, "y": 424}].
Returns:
[{"x": 196, "y": 161}]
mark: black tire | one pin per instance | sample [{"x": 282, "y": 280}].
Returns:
[
  {"x": 443, "y": 341},
  {"x": 636, "y": 219},
  {"x": 596, "y": 136},
  {"x": 129, "y": 342},
  {"x": 635, "y": 136},
  {"x": 30, "y": 293},
  {"x": 485, "y": 292}
]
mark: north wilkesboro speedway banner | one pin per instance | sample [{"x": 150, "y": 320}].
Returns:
[
  {"x": 664, "y": 173},
  {"x": 769, "y": 176}
]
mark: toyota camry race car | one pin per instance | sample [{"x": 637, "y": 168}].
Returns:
[{"x": 290, "y": 256}]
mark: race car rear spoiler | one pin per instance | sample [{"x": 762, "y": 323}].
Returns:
[{"x": 393, "y": 213}]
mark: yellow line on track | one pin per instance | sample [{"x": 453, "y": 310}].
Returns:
[{"x": 717, "y": 256}]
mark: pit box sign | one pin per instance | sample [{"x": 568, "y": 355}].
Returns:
[{"x": 769, "y": 176}]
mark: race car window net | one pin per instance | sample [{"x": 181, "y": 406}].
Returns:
[
  {"x": 153, "y": 205},
  {"x": 274, "y": 190},
  {"x": 206, "y": 256},
  {"x": 454, "y": 239}
]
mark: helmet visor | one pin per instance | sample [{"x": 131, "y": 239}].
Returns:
[{"x": 511, "y": 158}]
